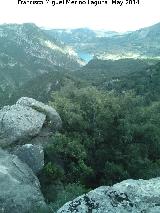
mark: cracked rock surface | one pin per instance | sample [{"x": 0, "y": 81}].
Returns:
[
  {"x": 25, "y": 120},
  {"x": 32, "y": 155},
  {"x": 19, "y": 187},
  {"x": 135, "y": 196}
]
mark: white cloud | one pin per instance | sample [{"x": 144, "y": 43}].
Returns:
[{"x": 110, "y": 17}]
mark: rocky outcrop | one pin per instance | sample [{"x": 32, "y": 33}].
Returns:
[
  {"x": 18, "y": 123},
  {"x": 133, "y": 196},
  {"x": 33, "y": 155},
  {"x": 19, "y": 187},
  {"x": 51, "y": 115},
  {"x": 24, "y": 129},
  {"x": 25, "y": 120}
]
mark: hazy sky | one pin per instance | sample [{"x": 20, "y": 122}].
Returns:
[{"x": 109, "y": 17}]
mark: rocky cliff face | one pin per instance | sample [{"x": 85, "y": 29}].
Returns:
[
  {"x": 24, "y": 127},
  {"x": 32, "y": 155},
  {"x": 128, "y": 196},
  {"x": 19, "y": 187}
]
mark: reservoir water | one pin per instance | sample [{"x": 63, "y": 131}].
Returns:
[{"x": 85, "y": 56}]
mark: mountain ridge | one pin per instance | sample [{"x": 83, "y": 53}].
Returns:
[
  {"x": 142, "y": 43},
  {"x": 27, "y": 52}
]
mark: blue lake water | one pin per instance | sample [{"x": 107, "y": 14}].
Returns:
[{"x": 85, "y": 56}]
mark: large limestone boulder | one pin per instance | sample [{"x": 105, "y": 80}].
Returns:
[
  {"x": 33, "y": 155},
  {"x": 25, "y": 120},
  {"x": 18, "y": 122},
  {"x": 51, "y": 115},
  {"x": 133, "y": 196},
  {"x": 19, "y": 187}
]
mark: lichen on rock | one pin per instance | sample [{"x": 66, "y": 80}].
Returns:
[{"x": 133, "y": 196}]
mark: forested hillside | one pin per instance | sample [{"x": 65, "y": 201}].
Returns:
[
  {"x": 145, "y": 83},
  {"x": 99, "y": 71}
]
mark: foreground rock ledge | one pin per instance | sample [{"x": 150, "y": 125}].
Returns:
[
  {"x": 19, "y": 187},
  {"x": 134, "y": 196},
  {"x": 26, "y": 120}
]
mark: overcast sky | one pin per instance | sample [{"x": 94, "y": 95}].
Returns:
[{"x": 109, "y": 17}]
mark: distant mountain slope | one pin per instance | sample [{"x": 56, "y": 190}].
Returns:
[
  {"x": 143, "y": 43},
  {"x": 141, "y": 76},
  {"x": 103, "y": 74},
  {"x": 80, "y": 39},
  {"x": 72, "y": 36},
  {"x": 40, "y": 89},
  {"x": 145, "y": 83},
  {"x": 99, "y": 71},
  {"x": 43, "y": 89},
  {"x": 26, "y": 52},
  {"x": 30, "y": 58}
]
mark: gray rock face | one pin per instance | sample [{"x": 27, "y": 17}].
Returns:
[
  {"x": 51, "y": 114},
  {"x": 128, "y": 196},
  {"x": 33, "y": 155},
  {"x": 18, "y": 122},
  {"x": 25, "y": 120},
  {"x": 19, "y": 187}
]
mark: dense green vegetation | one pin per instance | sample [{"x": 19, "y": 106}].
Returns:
[
  {"x": 98, "y": 72},
  {"x": 144, "y": 83},
  {"x": 107, "y": 135}
]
